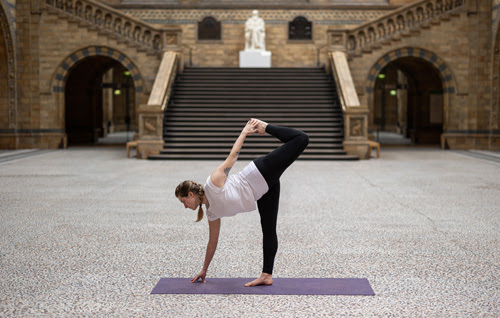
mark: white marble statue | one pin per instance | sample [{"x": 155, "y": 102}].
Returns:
[{"x": 255, "y": 33}]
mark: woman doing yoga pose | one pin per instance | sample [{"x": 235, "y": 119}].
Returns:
[{"x": 256, "y": 185}]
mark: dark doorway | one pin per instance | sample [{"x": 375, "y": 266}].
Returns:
[
  {"x": 408, "y": 103},
  {"x": 86, "y": 118}
]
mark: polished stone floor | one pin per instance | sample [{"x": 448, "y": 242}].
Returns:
[{"x": 86, "y": 232}]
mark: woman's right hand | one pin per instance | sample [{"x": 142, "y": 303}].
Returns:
[
  {"x": 250, "y": 127},
  {"x": 201, "y": 275}
]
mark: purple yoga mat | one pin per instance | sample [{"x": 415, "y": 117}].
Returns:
[{"x": 281, "y": 286}]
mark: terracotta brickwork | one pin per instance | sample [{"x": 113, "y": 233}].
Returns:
[{"x": 463, "y": 47}]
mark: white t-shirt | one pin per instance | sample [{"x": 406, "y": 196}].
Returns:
[{"x": 239, "y": 193}]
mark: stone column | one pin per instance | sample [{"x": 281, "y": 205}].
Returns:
[
  {"x": 355, "y": 116},
  {"x": 150, "y": 140},
  {"x": 150, "y": 131}
]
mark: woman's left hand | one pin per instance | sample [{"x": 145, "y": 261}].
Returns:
[{"x": 201, "y": 275}]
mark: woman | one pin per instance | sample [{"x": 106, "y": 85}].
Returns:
[{"x": 226, "y": 195}]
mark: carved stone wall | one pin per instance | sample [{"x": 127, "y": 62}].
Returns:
[{"x": 225, "y": 52}]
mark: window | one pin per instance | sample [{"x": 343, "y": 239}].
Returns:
[
  {"x": 209, "y": 29},
  {"x": 300, "y": 29}
]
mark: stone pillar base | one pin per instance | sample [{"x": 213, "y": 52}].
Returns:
[
  {"x": 463, "y": 141},
  {"x": 358, "y": 148},
  {"x": 253, "y": 58},
  {"x": 147, "y": 148}
]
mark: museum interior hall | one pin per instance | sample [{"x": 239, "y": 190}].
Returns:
[{"x": 177, "y": 79}]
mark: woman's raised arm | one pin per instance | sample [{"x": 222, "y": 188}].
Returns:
[{"x": 220, "y": 174}]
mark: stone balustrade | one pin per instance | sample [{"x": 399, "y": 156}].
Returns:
[
  {"x": 394, "y": 24},
  {"x": 355, "y": 115},
  {"x": 118, "y": 24},
  {"x": 151, "y": 115}
]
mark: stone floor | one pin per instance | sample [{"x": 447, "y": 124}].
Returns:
[{"x": 86, "y": 232}]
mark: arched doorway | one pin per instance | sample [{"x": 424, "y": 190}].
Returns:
[
  {"x": 99, "y": 99},
  {"x": 408, "y": 102},
  {"x": 89, "y": 91},
  {"x": 422, "y": 80}
]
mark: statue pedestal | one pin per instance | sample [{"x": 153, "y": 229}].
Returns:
[{"x": 255, "y": 58}]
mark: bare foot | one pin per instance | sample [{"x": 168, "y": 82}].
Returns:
[
  {"x": 261, "y": 127},
  {"x": 264, "y": 279}
]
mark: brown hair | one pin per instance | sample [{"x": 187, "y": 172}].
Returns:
[{"x": 187, "y": 186}]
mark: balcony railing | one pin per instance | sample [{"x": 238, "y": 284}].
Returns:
[
  {"x": 394, "y": 24},
  {"x": 121, "y": 26}
]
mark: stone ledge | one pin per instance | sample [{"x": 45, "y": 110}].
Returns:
[{"x": 33, "y": 140}]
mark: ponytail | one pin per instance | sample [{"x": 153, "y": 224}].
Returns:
[
  {"x": 200, "y": 214},
  {"x": 187, "y": 186}
]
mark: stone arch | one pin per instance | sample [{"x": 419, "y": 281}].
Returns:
[
  {"x": 449, "y": 82},
  {"x": 6, "y": 24},
  {"x": 447, "y": 78},
  {"x": 61, "y": 74}
]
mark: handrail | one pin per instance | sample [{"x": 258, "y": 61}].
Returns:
[
  {"x": 343, "y": 78},
  {"x": 113, "y": 21},
  {"x": 165, "y": 77},
  {"x": 394, "y": 23}
]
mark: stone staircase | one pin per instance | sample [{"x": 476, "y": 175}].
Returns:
[{"x": 209, "y": 107}]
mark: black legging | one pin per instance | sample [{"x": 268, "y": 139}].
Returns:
[{"x": 272, "y": 166}]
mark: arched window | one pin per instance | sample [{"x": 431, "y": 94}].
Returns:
[
  {"x": 209, "y": 29},
  {"x": 300, "y": 29}
]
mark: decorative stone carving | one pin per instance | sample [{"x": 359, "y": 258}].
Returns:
[
  {"x": 336, "y": 39},
  {"x": 100, "y": 16},
  {"x": 356, "y": 127},
  {"x": 150, "y": 128},
  {"x": 399, "y": 22},
  {"x": 255, "y": 33},
  {"x": 171, "y": 39}
]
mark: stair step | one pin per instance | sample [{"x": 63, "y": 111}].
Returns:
[
  {"x": 244, "y": 113},
  {"x": 249, "y": 92},
  {"x": 254, "y": 69},
  {"x": 245, "y": 150},
  {"x": 215, "y": 128},
  {"x": 254, "y": 139},
  {"x": 252, "y": 86},
  {"x": 246, "y": 157},
  {"x": 235, "y": 80},
  {"x": 241, "y": 118},
  {"x": 260, "y": 107},
  {"x": 235, "y": 133},
  {"x": 248, "y": 145},
  {"x": 237, "y": 122},
  {"x": 250, "y": 100}
]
